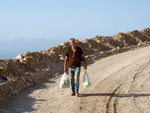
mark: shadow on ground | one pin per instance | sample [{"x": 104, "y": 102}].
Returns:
[
  {"x": 114, "y": 95},
  {"x": 12, "y": 107}
]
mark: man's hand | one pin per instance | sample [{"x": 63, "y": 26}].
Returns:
[
  {"x": 85, "y": 66},
  {"x": 65, "y": 69}
]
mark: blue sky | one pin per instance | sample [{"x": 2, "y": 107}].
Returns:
[{"x": 34, "y": 25}]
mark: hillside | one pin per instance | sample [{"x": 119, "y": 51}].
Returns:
[
  {"x": 30, "y": 68},
  {"x": 120, "y": 84}
]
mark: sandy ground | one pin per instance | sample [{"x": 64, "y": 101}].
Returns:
[{"x": 120, "y": 84}]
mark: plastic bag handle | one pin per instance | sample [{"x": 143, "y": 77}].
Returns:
[{"x": 85, "y": 72}]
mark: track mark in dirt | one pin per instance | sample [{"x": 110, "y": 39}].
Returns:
[
  {"x": 139, "y": 70},
  {"x": 138, "y": 73},
  {"x": 110, "y": 105}
]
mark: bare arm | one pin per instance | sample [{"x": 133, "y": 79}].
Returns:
[
  {"x": 65, "y": 64},
  {"x": 85, "y": 63}
]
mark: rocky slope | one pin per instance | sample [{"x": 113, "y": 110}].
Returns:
[
  {"x": 28, "y": 69},
  {"x": 120, "y": 84}
]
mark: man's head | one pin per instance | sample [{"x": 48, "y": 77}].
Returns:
[{"x": 72, "y": 42}]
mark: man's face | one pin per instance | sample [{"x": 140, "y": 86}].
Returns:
[{"x": 72, "y": 43}]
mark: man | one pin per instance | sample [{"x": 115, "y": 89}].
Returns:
[{"x": 74, "y": 54}]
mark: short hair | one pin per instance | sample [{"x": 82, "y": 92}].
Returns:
[{"x": 73, "y": 39}]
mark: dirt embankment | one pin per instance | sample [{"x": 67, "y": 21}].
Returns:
[
  {"x": 120, "y": 84},
  {"x": 28, "y": 69}
]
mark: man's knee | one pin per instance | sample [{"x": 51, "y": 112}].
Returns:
[
  {"x": 71, "y": 78},
  {"x": 77, "y": 75}
]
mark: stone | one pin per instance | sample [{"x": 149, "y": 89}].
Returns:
[
  {"x": 30, "y": 80},
  {"x": 62, "y": 57},
  {"x": 96, "y": 36},
  {"x": 37, "y": 78},
  {"x": 43, "y": 69},
  {"x": 47, "y": 69},
  {"x": 139, "y": 44},
  {"x": 9, "y": 78},
  {"x": 2, "y": 65},
  {"x": 23, "y": 79},
  {"x": 15, "y": 78},
  {"x": 29, "y": 73},
  {"x": 42, "y": 76},
  {"x": 26, "y": 53},
  {"x": 118, "y": 47},
  {"x": 4, "y": 77},
  {"x": 28, "y": 84},
  {"x": 18, "y": 57},
  {"x": 36, "y": 69},
  {"x": 15, "y": 92}
]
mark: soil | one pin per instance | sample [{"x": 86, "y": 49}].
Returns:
[{"x": 119, "y": 84}]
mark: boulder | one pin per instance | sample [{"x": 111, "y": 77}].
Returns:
[
  {"x": 62, "y": 57},
  {"x": 18, "y": 57},
  {"x": 139, "y": 44}
]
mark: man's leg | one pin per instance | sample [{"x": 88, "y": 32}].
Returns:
[
  {"x": 77, "y": 75},
  {"x": 71, "y": 74}
]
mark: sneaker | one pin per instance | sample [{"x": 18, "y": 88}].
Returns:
[
  {"x": 73, "y": 93},
  {"x": 77, "y": 93}
]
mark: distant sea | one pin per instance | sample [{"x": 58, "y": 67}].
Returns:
[{"x": 11, "y": 50}]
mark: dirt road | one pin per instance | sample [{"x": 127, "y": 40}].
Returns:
[{"x": 120, "y": 84}]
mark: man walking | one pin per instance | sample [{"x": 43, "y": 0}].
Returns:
[{"x": 74, "y": 55}]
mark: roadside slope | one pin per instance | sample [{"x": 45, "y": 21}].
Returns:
[
  {"x": 30, "y": 68},
  {"x": 120, "y": 83}
]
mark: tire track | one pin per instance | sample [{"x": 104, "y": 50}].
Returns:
[
  {"x": 138, "y": 72},
  {"x": 110, "y": 106}
]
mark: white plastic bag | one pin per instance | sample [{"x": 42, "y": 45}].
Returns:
[
  {"x": 86, "y": 80},
  {"x": 64, "y": 82}
]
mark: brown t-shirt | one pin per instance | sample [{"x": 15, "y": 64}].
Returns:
[{"x": 74, "y": 60}]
